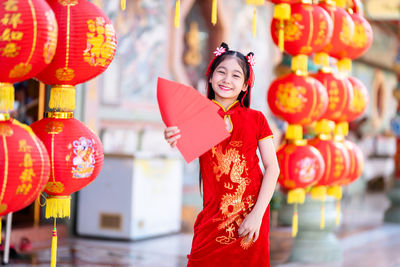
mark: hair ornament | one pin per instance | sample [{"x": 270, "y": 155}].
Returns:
[
  {"x": 219, "y": 51},
  {"x": 251, "y": 59}
]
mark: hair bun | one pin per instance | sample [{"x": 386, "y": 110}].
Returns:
[
  {"x": 224, "y": 45},
  {"x": 250, "y": 53}
]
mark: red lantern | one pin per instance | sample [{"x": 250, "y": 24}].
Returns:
[
  {"x": 76, "y": 156},
  {"x": 24, "y": 166},
  {"x": 301, "y": 166},
  {"x": 28, "y": 38},
  {"x": 86, "y": 43},
  {"x": 336, "y": 158},
  {"x": 340, "y": 95},
  {"x": 343, "y": 30},
  {"x": 297, "y": 99},
  {"x": 308, "y": 30},
  {"x": 356, "y": 160},
  {"x": 362, "y": 38},
  {"x": 360, "y": 99}
]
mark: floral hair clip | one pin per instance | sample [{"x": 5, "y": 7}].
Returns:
[
  {"x": 219, "y": 51},
  {"x": 251, "y": 60}
]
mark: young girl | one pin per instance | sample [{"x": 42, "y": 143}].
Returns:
[{"x": 233, "y": 227}]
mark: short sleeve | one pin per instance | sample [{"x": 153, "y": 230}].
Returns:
[{"x": 264, "y": 131}]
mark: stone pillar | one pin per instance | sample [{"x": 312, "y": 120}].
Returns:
[{"x": 312, "y": 244}]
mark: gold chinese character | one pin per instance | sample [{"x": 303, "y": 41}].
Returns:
[
  {"x": 6, "y": 36},
  {"x": 10, "y": 50},
  {"x": 23, "y": 189},
  {"x": 12, "y": 19},
  {"x": 26, "y": 175},
  {"x": 11, "y": 5},
  {"x": 28, "y": 161},
  {"x": 23, "y": 147}
]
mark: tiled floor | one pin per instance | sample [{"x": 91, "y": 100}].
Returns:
[{"x": 365, "y": 240}]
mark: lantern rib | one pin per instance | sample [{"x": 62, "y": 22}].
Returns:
[
  {"x": 3, "y": 189},
  {"x": 68, "y": 35},
  {"x": 314, "y": 90},
  {"x": 34, "y": 31},
  {"x": 311, "y": 28},
  {"x": 329, "y": 162},
  {"x": 52, "y": 157}
]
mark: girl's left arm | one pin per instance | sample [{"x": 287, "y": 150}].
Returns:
[{"x": 252, "y": 223}]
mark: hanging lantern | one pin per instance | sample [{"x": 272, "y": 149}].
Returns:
[
  {"x": 360, "y": 99},
  {"x": 76, "y": 157},
  {"x": 343, "y": 29},
  {"x": 302, "y": 166},
  {"x": 308, "y": 30},
  {"x": 362, "y": 37},
  {"x": 340, "y": 94},
  {"x": 24, "y": 165},
  {"x": 254, "y": 20},
  {"x": 356, "y": 160},
  {"x": 86, "y": 47},
  {"x": 28, "y": 39},
  {"x": 297, "y": 99}
]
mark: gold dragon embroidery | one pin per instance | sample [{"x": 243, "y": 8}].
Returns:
[{"x": 233, "y": 207}]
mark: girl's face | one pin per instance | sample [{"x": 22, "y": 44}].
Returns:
[{"x": 228, "y": 80}]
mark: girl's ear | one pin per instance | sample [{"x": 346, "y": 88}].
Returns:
[{"x": 245, "y": 86}]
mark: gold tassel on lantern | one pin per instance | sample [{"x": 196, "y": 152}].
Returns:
[
  {"x": 336, "y": 192},
  {"x": 62, "y": 97},
  {"x": 58, "y": 206},
  {"x": 123, "y": 4},
  {"x": 6, "y": 97},
  {"x": 214, "y": 12},
  {"x": 254, "y": 20},
  {"x": 344, "y": 65},
  {"x": 296, "y": 196},
  {"x": 177, "y": 13},
  {"x": 319, "y": 193},
  {"x": 282, "y": 13},
  {"x": 53, "y": 260}
]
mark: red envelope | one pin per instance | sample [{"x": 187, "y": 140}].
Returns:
[{"x": 197, "y": 118}]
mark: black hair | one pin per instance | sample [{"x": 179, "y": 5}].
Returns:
[{"x": 242, "y": 61}]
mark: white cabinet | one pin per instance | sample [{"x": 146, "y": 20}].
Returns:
[{"x": 134, "y": 197}]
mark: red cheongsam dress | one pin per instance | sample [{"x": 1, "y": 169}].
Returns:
[{"x": 231, "y": 182}]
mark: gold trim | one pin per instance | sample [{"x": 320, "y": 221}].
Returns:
[
  {"x": 59, "y": 115},
  {"x": 311, "y": 33},
  {"x": 68, "y": 35},
  {"x": 3, "y": 189},
  {"x": 58, "y": 197},
  {"x": 267, "y": 137},
  {"x": 4, "y": 116},
  {"x": 225, "y": 110},
  {"x": 230, "y": 122},
  {"x": 52, "y": 158},
  {"x": 34, "y": 31}
]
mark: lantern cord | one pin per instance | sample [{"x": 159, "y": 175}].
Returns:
[
  {"x": 177, "y": 13},
  {"x": 214, "y": 12},
  {"x": 54, "y": 245},
  {"x": 282, "y": 12},
  {"x": 254, "y": 23},
  {"x": 44, "y": 200},
  {"x": 322, "y": 222},
  {"x": 295, "y": 221}
]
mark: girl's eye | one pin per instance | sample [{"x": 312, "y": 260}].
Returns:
[
  {"x": 236, "y": 76},
  {"x": 220, "y": 72}
]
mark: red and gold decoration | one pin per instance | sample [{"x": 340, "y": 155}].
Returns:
[
  {"x": 308, "y": 30},
  {"x": 301, "y": 166},
  {"x": 297, "y": 99},
  {"x": 24, "y": 165},
  {"x": 360, "y": 99},
  {"x": 255, "y": 3},
  {"x": 28, "y": 39}
]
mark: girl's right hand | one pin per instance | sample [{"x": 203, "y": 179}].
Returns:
[{"x": 171, "y": 134}]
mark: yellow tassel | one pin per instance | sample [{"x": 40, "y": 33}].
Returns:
[
  {"x": 282, "y": 13},
  {"x": 318, "y": 193},
  {"x": 58, "y": 206},
  {"x": 322, "y": 223},
  {"x": 294, "y": 132},
  {"x": 54, "y": 246},
  {"x": 296, "y": 196},
  {"x": 6, "y": 97},
  {"x": 123, "y": 4},
  {"x": 335, "y": 191},
  {"x": 254, "y": 23},
  {"x": 342, "y": 129},
  {"x": 299, "y": 63},
  {"x": 344, "y": 65},
  {"x": 337, "y": 212},
  {"x": 62, "y": 97},
  {"x": 177, "y": 13},
  {"x": 214, "y": 12},
  {"x": 322, "y": 59},
  {"x": 295, "y": 221}
]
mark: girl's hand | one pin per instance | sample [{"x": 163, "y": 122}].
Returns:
[
  {"x": 171, "y": 134},
  {"x": 250, "y": 227}
]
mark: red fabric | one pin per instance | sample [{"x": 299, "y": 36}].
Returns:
[
  {"x": 231, "y": 183},
  {"x": 24, "y": 166},
  {"x": 75, "y": 152},
  {"x": 28, "y": 39}
]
